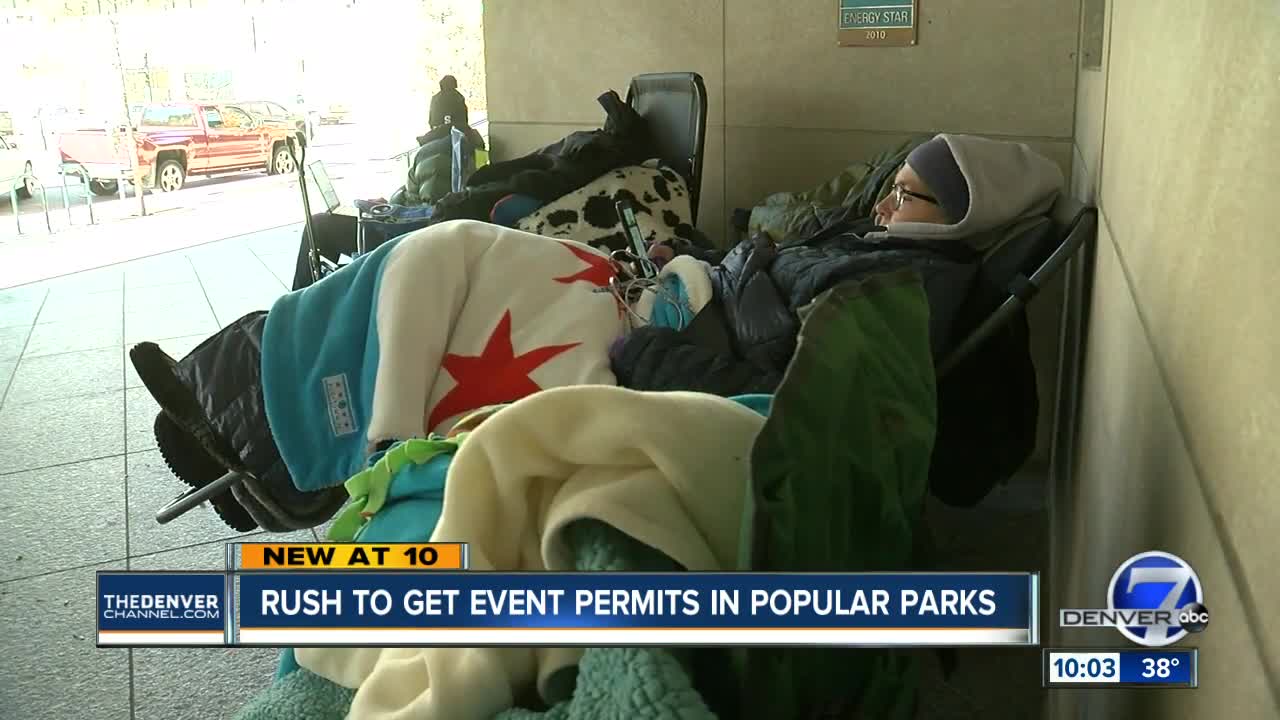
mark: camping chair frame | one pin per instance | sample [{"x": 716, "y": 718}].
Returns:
[{"x": 1074, "y": 225}]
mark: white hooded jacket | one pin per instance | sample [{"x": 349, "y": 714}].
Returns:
[{"x": 1007, "y": 181}]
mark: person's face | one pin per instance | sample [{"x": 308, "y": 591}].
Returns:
[{"x": 910, "y": 200}]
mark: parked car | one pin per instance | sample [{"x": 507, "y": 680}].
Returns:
[
  {"x": 177, "y": 140},
  {"x": 14, "y": 165},
  {"x": 273, "y": 112}
]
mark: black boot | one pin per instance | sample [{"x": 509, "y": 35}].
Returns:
[
  {"x": 214, "y": 397},
  {"x": 189, "y": 462},
  {"x": 159, "y": 373}
]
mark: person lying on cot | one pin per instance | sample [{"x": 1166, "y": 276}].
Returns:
[{"x": 955, "y": 197}]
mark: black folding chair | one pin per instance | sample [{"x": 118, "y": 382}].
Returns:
[
  {"x": 1015, "y": 271},
  {"x": 675, "y": 107},
  {"x": 988, "y": 398}
]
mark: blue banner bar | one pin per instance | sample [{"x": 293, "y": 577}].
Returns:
[
  {"x": 1159, "y": 667},
  {"x": 622, "y": 600}
]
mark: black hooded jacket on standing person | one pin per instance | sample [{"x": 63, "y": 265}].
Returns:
[{"x": 448, "y": 103}]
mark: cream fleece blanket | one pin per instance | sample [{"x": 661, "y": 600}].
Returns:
[{"x": 669, "y": 469}]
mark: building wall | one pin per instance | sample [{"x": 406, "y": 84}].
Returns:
[
  {"x": 1181, "y": 407},
  {"x": 788, "y": 109}
]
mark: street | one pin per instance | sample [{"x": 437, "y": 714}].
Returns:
[{"x": 360, "y": 160}]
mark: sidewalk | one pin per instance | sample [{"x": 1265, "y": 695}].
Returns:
[
  {"x": 120, "y": 235},
  {"x": 207, "y": 211},
  {"x": 84, "y": 480}
]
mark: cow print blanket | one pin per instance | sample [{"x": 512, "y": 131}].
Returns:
[{"x": 588, "y": 215}]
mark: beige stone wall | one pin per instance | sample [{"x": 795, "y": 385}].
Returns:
[
  {"x": 1181, "y": 407},
  {"x": 788, "y": 108}
]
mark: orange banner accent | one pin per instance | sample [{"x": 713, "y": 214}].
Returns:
[{"x": 352, "y": 556}]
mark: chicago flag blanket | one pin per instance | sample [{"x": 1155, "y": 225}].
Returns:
[{"x": 427, "y": 327}]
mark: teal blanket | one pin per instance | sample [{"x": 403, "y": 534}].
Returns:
[{"x": 609, "y": 683}]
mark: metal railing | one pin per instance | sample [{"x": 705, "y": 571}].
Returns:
[
  {"x": 79, "y": 171},
  {"x": 13, "y": 200}
]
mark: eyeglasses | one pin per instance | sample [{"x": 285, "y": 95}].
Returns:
[{"x": 899, "y": 192}]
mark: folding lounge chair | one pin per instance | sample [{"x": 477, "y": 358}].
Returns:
[
  {"x": 674, "y": 105},
  {"x": 984, "y": 362},
  {"x": 1017, "y": 269}
]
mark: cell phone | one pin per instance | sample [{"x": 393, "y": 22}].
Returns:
[{"x": 627, "y": 215}]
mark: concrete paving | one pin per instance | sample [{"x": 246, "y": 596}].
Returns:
[{"x": 81, "y": 480}]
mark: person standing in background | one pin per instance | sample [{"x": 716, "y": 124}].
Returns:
[{"x": 448, "y": 103}]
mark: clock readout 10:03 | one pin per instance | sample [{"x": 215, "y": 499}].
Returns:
[{"x": 1084, "y": 667}]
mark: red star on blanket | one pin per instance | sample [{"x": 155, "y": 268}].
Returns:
[
  {"x": 599, "y": 270},
  {"x": 496, "y": 375}
]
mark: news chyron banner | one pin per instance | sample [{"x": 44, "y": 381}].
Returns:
[{"x": 362, "y": 594}]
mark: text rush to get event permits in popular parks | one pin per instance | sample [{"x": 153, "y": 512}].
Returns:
[{"x": 389, "y": 594}]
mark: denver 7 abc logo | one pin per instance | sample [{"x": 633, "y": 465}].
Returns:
[{"x": 1154, "y": 599}]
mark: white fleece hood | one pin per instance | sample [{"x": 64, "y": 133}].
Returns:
[{"x": 1007, "y": 182}]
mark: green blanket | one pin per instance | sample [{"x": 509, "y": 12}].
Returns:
[
  {"x": 609, "y": 683},
  {"x": 839, "y": 474}
]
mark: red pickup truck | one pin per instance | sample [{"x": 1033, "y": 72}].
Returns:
[{"x": 176, "y": 140}]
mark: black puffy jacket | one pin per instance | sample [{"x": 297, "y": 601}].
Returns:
[
  {"x": 448, "y": 104},
  {"x": 431, "y": 174},
  {"x": 749, "y": 334},
  {"x": 557, "y": 169}
]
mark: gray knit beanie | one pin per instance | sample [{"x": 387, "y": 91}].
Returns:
[{"x": 934, "y": 162}]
